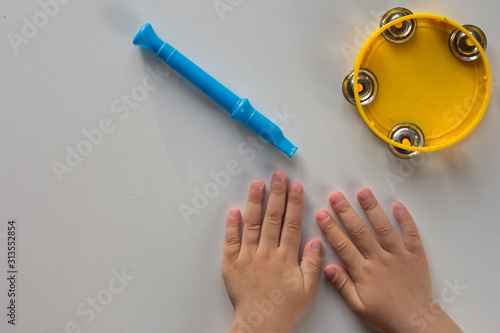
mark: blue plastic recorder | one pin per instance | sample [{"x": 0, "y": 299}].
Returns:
[{"x": 239, "y": 108}]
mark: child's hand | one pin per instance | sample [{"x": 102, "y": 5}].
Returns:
[
  {"x": 385, "y": 283},
  {"x": 267, "y": 286}
]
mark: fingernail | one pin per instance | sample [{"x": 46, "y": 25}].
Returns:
[
  {"x": 316, "y": 246},
  {"x": 365, "y": 195},
  {"x": 330, "y": 273},
  {"x": 234, "y": 212},
  {"x": 400, "y": 206},
  {"x": 336, "y": 198},
  {"x": 322, "y": 216},
  {"x": 296, "y": 188},
  {"x": 279, "y": 177},
  {"x": 257, "y": 187}
]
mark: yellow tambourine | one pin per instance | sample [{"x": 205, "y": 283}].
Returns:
[{"x": 422, "y": 81}]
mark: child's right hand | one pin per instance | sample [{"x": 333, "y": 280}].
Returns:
[{"x": 385, "y": 283}]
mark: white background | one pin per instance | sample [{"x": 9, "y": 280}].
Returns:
[{"x": 118, "y": 209}]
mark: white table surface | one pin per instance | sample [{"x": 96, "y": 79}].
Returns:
[{"x": 118, "y": 210}]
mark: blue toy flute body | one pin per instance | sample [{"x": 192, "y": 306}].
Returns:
[{"x": 239, "y": 108}]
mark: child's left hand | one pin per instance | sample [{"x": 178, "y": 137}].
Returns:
[{"x": 268, "y": 287}]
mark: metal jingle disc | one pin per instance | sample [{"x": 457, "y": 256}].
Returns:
[
  {"x": 402, "y": 32},
  {"x": 367, "y": 87},
  {"x": 402, "y": 132},
  {"x": 463, "y": 48}
]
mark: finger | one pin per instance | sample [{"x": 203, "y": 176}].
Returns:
[
  {"x": 341, "y": 279},
  {"x": 345, "y": 249},
  {"x": 383, "y": 228},
  {"x": 311, "y": 265},
  {"x": 273, "y": 218},
  {"x": 361, "y": 235},
  {"x": 232, "y": 241},
  {"x": 252, "y": 221},
  {"x": 411, "y": 237},
  {"x": 292, "y": 224}
]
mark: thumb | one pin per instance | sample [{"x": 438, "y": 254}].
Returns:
[
  {"x": 341, "y": 279},
  {"x": 311, "y": 265}
]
